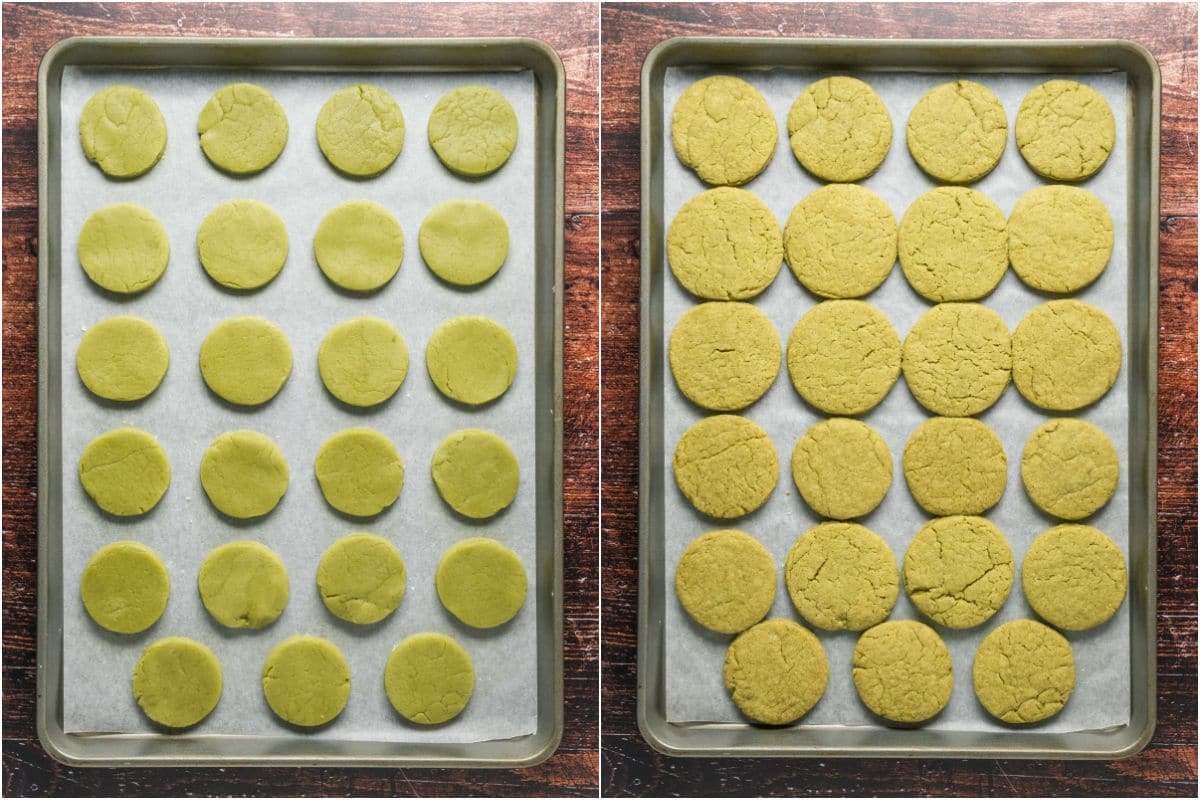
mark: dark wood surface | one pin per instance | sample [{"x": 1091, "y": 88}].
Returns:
[
  {"x": 28, "y": 31},
  {"x": 1168, "y": 765}
]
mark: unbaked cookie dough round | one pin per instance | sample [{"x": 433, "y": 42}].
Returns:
[
  {"x": 955, "y": 466},
  {"x": 473, "y": 130},
  {"x": 1065, "y": 355},
  {"x": 840, "y": 241},
  {"x": 123, "y": 248},
  {"x": 306, "y": 681},
  {"x": 177, "y": 682},
  {"x": 1074, "y": 577},
  {"x": 903, "y": 671},
  {"x": 1069, "y": 468},
  {"x": 122, "y": 131},
  {"x": 957, "y": 132},
  {"x": 463, "y": 242},
  {"x": 1024, "y": 672},
  {"x": 958, "y": 571},
  {"x": 844, "y": 357},
  {"x": 359, "y": 246},
  {"x": 244, "y": 474},
  {"x": 725, "y": 466},
  {"x": 776, "y": 671},
  {"x": 245, "y": 360},
  {"x": 429, "y": 678},
  {"x": 361, "y": 578},
  {"x": 360, "y": 130},
  {"x": 360, "y": 472},
  {"x": 363, "y": 361},
  {"x": 242, "y": 244},
  {"x": 122, "y": 358},
  {"x": 839, "y": 129},
  {"x": 1059, "y": 238},
  {"x": 242, "y": 129},
  {"x": 724, "y": 130},
  {"x": 1065, "y": 130},
  {"x": 725, "y": 244},
  {"x": 481, "y": 582},
  {"x": 842, "y": 468},
  {"x": 125, "y": 587},
  {"x": 958, "y": 359},
  {"x": 724, "y": 356},
  {"x": 725, "y": 581},
  {"x": 125, "y": 471},
  {"x": 953, "y": 244},
  {"x": 841, "y": 576},
  {"x": 471, "y": 359},
  {"x": 243, "y": 585},
  {"x": 476, "y": 473}
]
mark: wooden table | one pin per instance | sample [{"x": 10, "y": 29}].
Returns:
[
  {"x": 1168, "y": 765},
  {"x": 28, "y": 31}
]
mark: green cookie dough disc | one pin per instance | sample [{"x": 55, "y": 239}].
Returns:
[
  {"x": 953, "y": 244},
  {"x": 125, "y": 471},
  {"x": 842, "y": 468},
  {"x": 122, "y": 131},
  {"x": 363, "y": 361},
  {"x": 724, "y": 356},
  {"x": 1060, "y": 238},
  {"x": 1065, "y": 130},
  {"x": 1074, "y": 577},
  {"x": 243, "y": 585},
  {"x": 360, "y": 472},
  {"x": 841, "y": 576},
  {"x": 125, "y": 587},
  {"x": 245, "y": 360},
  {"x": 1024, "y": 672},
  {"x": 725, "y": 244},
  {"x": 242, "y": 244},
  {"x": 306, "y": 681},
  {"x": 244, "y": 474},
  {"x": 955, "y": 466},
  {"x": 122, "y": 358},
  {"x": 473, "y": 130},
  {"x": 476, "y": 473},
  {"x": 177, "y": 682},
  {"x": 429, "y": 678},
  {"x": 958, "y": 571},
  {"x": 724, "y": 130},
  {"x": 902, "y": 671},
  {"x": 360, "y": 130},
  {"x": 481, "y": 582},
  {"x": 1069, "y": 468},
  {"x": 726, "y": 466},
  {"x": 725, "y": 581},
  {"x": 776, "y": 671},
  {"x": 840, "y": 241},
  {"x": 844, "y": 357},
  {"x": 1065, "y": 355},
  {"x": 463, "y": 242},
  {"x": 957, "y": 132},
  {"x": 123, "y": 248},
  {"x": 242, "y": 129},
  {"x": 471, "y": 359},
  {"x": 840, "y": 130},
  {"x": 359, "y": 246},
  {"x": 957, "y": 359},
  {"x": 361, "y": 578}
]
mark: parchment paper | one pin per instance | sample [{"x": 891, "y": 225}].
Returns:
[
  {"x": 694, "y": 656},
  {"x": 186, "y": 417}
]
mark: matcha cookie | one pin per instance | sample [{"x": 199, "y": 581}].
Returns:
[
  {"x": 359, "y": 246},
  {"x": 245, "y": 360},
  {"x": 125, "y": 471},
  {"x": 958, "y": 571},
  {"x": 840, "y": 130},
  {"x": 463, "y": 242},
  {"x": 244, "y": 474},
  {"x": 776, "y": 672},
  {"x": 359, "y": 471},
  {"x": 429, "y": 678},
  {"x": 471, "y": 359},
  {"x": 1024, "y": 672},
  {"x": 123, "y": 248},
  {"x": 1060, "y": 238},
  {"x": 360, "y": 130},
  {"x": 725, "y": 466},
  {"x": 725, "y": 581},
  {"x": 243, "y": 585},
  {"x": 955, "y": 466},
  {"x": 122, "y": 358},
  {"x": 840, "y": 241},
  {"x": 1074, "y": 577},
  {"x": 1066, "y": 355},
  {"x": 725, "y": 244},
  {"x": 122, "y": 131},
  {"x": 1065, "y": 130},
  {"x": 481, "y": 582},
  {"x": 476, "y": 473},
  {"x": 958, "y": 358},
  {"x": 177, "y": 682},
  {"x": 844, "y": 357},
  {"x": 953, "y": 244},
  {"x": 361, "y": 578},
  {"x": 125, "y": 587},
  {"x": 724, "y": 130},
  {"x": 841, "y": 576},
  {"x": 842, "y": 468},
  {"x": 363, "y": 361},
  {"x": 957, "y": 132},
  {"x": 724, "y": 356},
  {"x": 242, "y": 244},
  {"x": 1069, "y": 468},
  {"x": 306, "y": 681},
  {"x": 242, "y": 129},
  {"x": 473, "y": 130},
  {"x": 902, "y": 671}
]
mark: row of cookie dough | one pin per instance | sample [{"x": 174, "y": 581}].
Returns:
[
  {"x": 243, "y": 129},
  {"x": 840, "y": 130}
]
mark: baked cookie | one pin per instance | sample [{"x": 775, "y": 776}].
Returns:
[
  {"x": 245, "y": 360},
  {"x": 1024, "y": 672},
  {"x": 429, "y": 678},
  {"x": 1066, "y": 355},
  {"x": 1065, "y": 130},
  {"x": 359, "y": 246},
  {"x": 476, "y": 473},
  {"x": 473, "y": 130},
  {"x": 244, "y": 474},
  {"x": 360, "y": 130},
  {"x": 122, "y": 358},
  {"x": 724, "y": 130},
  {"x": 361, "y": 578},
  {"x": 125, "y": 587},
  {"x": 724, "y": 356},
  {"x": 953, "y": 244},
  {"x": 902, "y": 671},
  {"x": 958, "y": 358},
  {"x": 725, "y": 244},
  {"x": 242, "y": 129},
  {"x": 957, "y": 132},
  {"x": 725, "y": 581},
  {"x": 125, "y": 471},
  {"x": 177, "y": 682},
  {"x": 123, "y": 248},
  {"x": 243, "y": 585},
  {"x": 1074, "y": 577},
  {"x": 243, "y": 244},
  {"x": 1069, "y": 468},
  {"x": 359, "y": 471},
  {"x": 839, "y": 129},
  {"x": 841, "y": 576},
  {"x": 122, "y": 131},
  {"x": 955, "y": 466},
  {"x": 844, "y": 357},
  {"x": 1060, "y": 238},
  {"x": 471, "y": 359},
  {"x": 725, "y": 466},
  {"x": 958, "y": 571},
  {"x": 842, "y": 468},
  {"x": 840, "y": 241},
  {"x": 306, "y": 681},
  {"x": 362, "y": 361},
  {"x": 463, "y": 242},
  {"x": 481, "y": 582},
  {"x": 776, "y": 671}
]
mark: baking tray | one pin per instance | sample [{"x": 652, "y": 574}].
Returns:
[
  {"x": 464, "y": 55},
  {"x": 924, "y": 56}
]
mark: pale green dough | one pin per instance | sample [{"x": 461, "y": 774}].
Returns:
[
  {"x": 473, "y": 130},
  {"x": 123, "y": 248},
  {"x": 463, "y": 242},
  {"x": 125, "y": 471},
  {"x": 361, "y": 578},
  {"x": 360, "y": 472},
  {"x": 122, "y": 358},
  {"x": 242, "y": 129},
  {"x": 244, "y": 474},
  {"x": 476, "y": 473},
  {"x": 125, "y": 587},
  {"x": 360, "y": 130},
  {"x": 122, "y": 131},
  {"x": 471, "y": 359},
  {"x": 242, "y": 244},
  {"x": 429, "y": 678},
  {"x": 243, "y": 585},
  {"x": 306, "y": 681},
  {"x": 177, "y": 682},
  {"x": 363, "y": 361},
  {"x": 359, "y": 246},
  {"x": 245, "y": 360},
  {"x": 481, "y": 582}
]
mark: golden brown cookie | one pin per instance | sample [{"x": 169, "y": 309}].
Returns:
[
  {"x": 776, "y": 671},
  {"x": 840, "y": 241},
  {"x": 842, "y": 468},
  {"x": 1024, "y": 672},
  {"x": 841, "y": 576},
  {"x": 725, "y": 244},
  {"x": 725, "y": 580},
  {"x": 955, "y": 466},
  {"x": 1074, "y": 577},
  {"x": 724, "y": 130},
  {"x": 724, "y": 356},
  {"x": 958, "y": 359},
  {"x": 1066, "y": 355},
  {"x": 726, "y": 466}
]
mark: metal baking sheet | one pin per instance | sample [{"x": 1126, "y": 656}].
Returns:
[
  {"x": 683, "y": 705},
  {"x": 510, "y": 719}
]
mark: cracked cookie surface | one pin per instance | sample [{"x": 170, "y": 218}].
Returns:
[
  {"x": 842, "y": 576},
  {"x": 243, "y": 585},
  {"x": 1066, "y": 355},
  {"x": 1065, "y": 130},
  {"x": 122, "y": 131},
  {"x": 902, "y": 671},
  {"x": 958, "y": 571},
  {"x": 476, "y": 473},
  {"x": 245, "y": 360},
  {"x": 363, "y": 361},
  {"x": 177, "y": 682},
  {"x": 463, "y": 242},
  {"x": 122, "y": 358},
  {"x": 359, "y": 246},
  {"x": 840, "y": 241},
  {"x": 776, "y": 671},
  {"x": 361, "y": 578},
  {"x": 1074, "y": 577},
  {"x": 839, "y": 129},
  {"x": 429, "y": 678},
  {"x": 955, "y": 466},
  {"x": 1069, "y": 468},
  {"x": 1024, "y": 672},
  {"x": 359, "y": 471},
  {"x": 125, "y": 471},
  {"x": 726, "y": 466},
  {"x": 723, "y": 129},
  {"x": 125, "y": 587},
  {"x": 481, "y": 582},
  {"x": 306, "y": 681},
  {"x": 725, "y": 580},
  {"x": 243, "y": 244},
  {"x": 473, "y": 130},
  {"x": 724, "y": 356},
  {"x": 844, "y": 356},
  {"x": 471, "y": 359},
  {"x": 360, "y": 130},
  {"x": 725, "y": 244},
  {"x": 958, "y": 359},
  {"x": 953, "y": 244},
  {"x": 1060, "y": 238},
  {"x": 957, "y": 132},
  {"x": 242, "y": 129},
  {"x": 244, "y": 474},
  {"x": 123, "y": 248},
  {"x": 842, "y": 468}
]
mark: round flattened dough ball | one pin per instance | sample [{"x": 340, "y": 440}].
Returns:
[
  {"x": 776, "y": 671},
  {"x": 481, "y": 582},
  {"x": 725, "y": 581},
  {"x": 360, "y": 472},
  {"x": 429, "y": 678},
  {"x": 242, "y": 129},
  {"x": 306, "y": 681},
  {"x": 363, "y": 361},
  {"x": 1024, "y": 672},
  {"x": 955, "y": 465},
  {"x": 245, "y": 360},
  {"x": 1069, "y": 468},
  {"x": 244, "y": 474},
  {"x": 361, "y": 578},
  {"x": 953, "y": 244},
  {"x": 1074, "y": 577},
  {"x": 473, "y": 130},
  {"x": 123, "y": 248},
  {"x": 463, "y": 242},
  {"x": 243, "y": 244},
  {"x": 122, "y": 131},
  {"x": 839, "y": 129},
  {"x": 957, "y": 132},
  {"x": 125, "y": 471},
  {"x": 902, "y": 671},
  {"x": 725, "y": 466},
  {"x": 958, "y": 571},
  {"x": 243, "y": 585},
  {"x": 842, "y": 468},
  {"x": 725, "y": 244},
  {"x": 359, "y": 246},
  {"x": 1066, "y": 355},
  {"x": 1065, "y": 130},
  {"x": 125, "y": 587},
  {"x": 360, "y": 129},
  {"x": 840, "y": 241},
  {"x": 122, "y": 358},
  {"x": 724, "y": 130},
  {"x": 471, "y": 359},
  {"x": 724, "y": 356},
  {"x": 177, "y": 682},
  {"x": 841, "y": 576},
  {"x": 1060, "y": 238},
  {"x": 958, "y": 359},
  {"x": 476, "y": 473}
]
